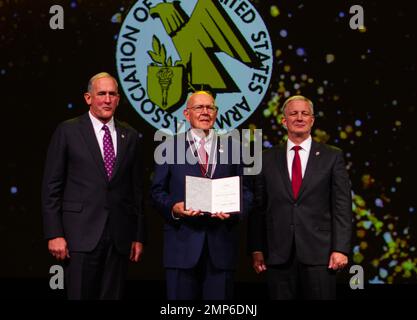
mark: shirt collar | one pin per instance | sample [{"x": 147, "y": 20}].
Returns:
[
  {"x": 197, "y": 138},
  {"x": 98, "y": 125},
  {"x": 305, "y": 145}
]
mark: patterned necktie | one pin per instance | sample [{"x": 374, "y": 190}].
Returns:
[
  {"x": 203, "y": 157},
  {"x": 109, "y": 157},
  {"x": 297, "y": 177}
]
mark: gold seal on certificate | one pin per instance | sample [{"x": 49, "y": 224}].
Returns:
[{"x": 213, "y": 195}]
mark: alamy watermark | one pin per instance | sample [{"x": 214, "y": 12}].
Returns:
[
  {"x": 57, "y": 279},
  {"x": 57, "y": 20},
  {"x": 233, "y": 148},
  {"x": 357, "y": 280}
]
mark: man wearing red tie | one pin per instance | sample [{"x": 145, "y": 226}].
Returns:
[
  {"x": 200, "y": 249},
  {"x": 300, "y": 230}
]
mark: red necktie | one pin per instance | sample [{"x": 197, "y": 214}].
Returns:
[
  {"x": 297, "y": 176},
  {"x": 203, "y": 157}
]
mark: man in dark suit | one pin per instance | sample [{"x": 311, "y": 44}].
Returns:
[
  {"x": 91, "y": 196},
  {"x": 300, "y": 229},
  {"x": 200, "y": 250}
]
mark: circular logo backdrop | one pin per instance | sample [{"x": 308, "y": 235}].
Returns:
[{"x": 166, "y": 50}]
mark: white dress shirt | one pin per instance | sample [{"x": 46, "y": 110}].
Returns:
[
  {"x": 208, "y": 142},
  {"x": 98, "y": 125},
  {"x": 303, "y": 152}
]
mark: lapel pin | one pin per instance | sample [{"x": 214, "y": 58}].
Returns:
[
  {"x": 123, "y": 136},
  {"x": 317, "y": 153}
]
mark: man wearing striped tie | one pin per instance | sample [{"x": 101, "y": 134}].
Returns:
[{"x": 200, "y": 249}]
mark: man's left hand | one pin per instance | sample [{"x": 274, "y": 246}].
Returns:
[
  {"x": 136, "y": 251},
  {"x": 337, "y": 261},
  {"x": 220, "y": 215}
]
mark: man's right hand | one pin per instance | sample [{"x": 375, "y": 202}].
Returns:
[
  {"x": 179, "y": 211},
  {"x": 258, "y": 262},
  {"x": 58, "y": 248}
]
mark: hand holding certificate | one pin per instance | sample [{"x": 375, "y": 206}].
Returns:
[{"x": 213, "y": 195}]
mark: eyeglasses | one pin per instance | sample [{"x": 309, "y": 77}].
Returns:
[{"x": 200, "y": 107}]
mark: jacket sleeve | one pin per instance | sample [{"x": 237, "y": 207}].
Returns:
[
  {"x": 256, "y": 240},
  {"x": 53, "y": 185},
  {"x": 341, "y": 206},
  {"x": 141, "y": 232}
]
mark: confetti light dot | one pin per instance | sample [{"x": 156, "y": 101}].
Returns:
[
  {"x": 73, "y": 4},
  {"x": 383, "y": 273},
  {"x": 393, "y": 189},
  {"x": 300, "y": 52},
  {"x": 398, "y": 180},
  {"x": 341, "y": 14},
  {"x": 358, "y": 123},
  {"x": 69, "y": 106},
  {"x": 267, "y": 113},
  {"x": 13, "y": 190},
  {"x": 394, "y": 102},
  {"x": 398, "y": 123},
  {"x": 330, "y": 58},
  {"x": 274, "y": 11},
  {"x": 3, "y": 72},
  {"x": 116, "y": 18},
  {"x": 358, "y": 133},
  {"x": 267, "y": 144},
  {"x": 348, "y": 154},
  {"x": 320, "y": 90},
  {"x": 283, "y": 33},
  {"x": 379, "y": 203}
]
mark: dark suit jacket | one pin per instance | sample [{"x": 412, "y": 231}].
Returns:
[
  {"x": 319, "y": 221},
  {"x": 78, "y": 199},
  {"x": 184, "y": 238}
]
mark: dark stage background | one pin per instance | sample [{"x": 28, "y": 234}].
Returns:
[{"x": 363, "y": 84}]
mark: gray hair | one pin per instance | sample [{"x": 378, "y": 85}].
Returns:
[
  {"x": 298, "y": 97},
  {"x": 99, "y": 76}
]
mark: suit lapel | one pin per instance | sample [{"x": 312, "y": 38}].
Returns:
[
  {"x": 87, "y": 131},
  {"x": 313, "y": 159},
  {"x": 122, "y": 139},
  {"x": 281, "y": 157},
  {"x": 190, "y": 148}
]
